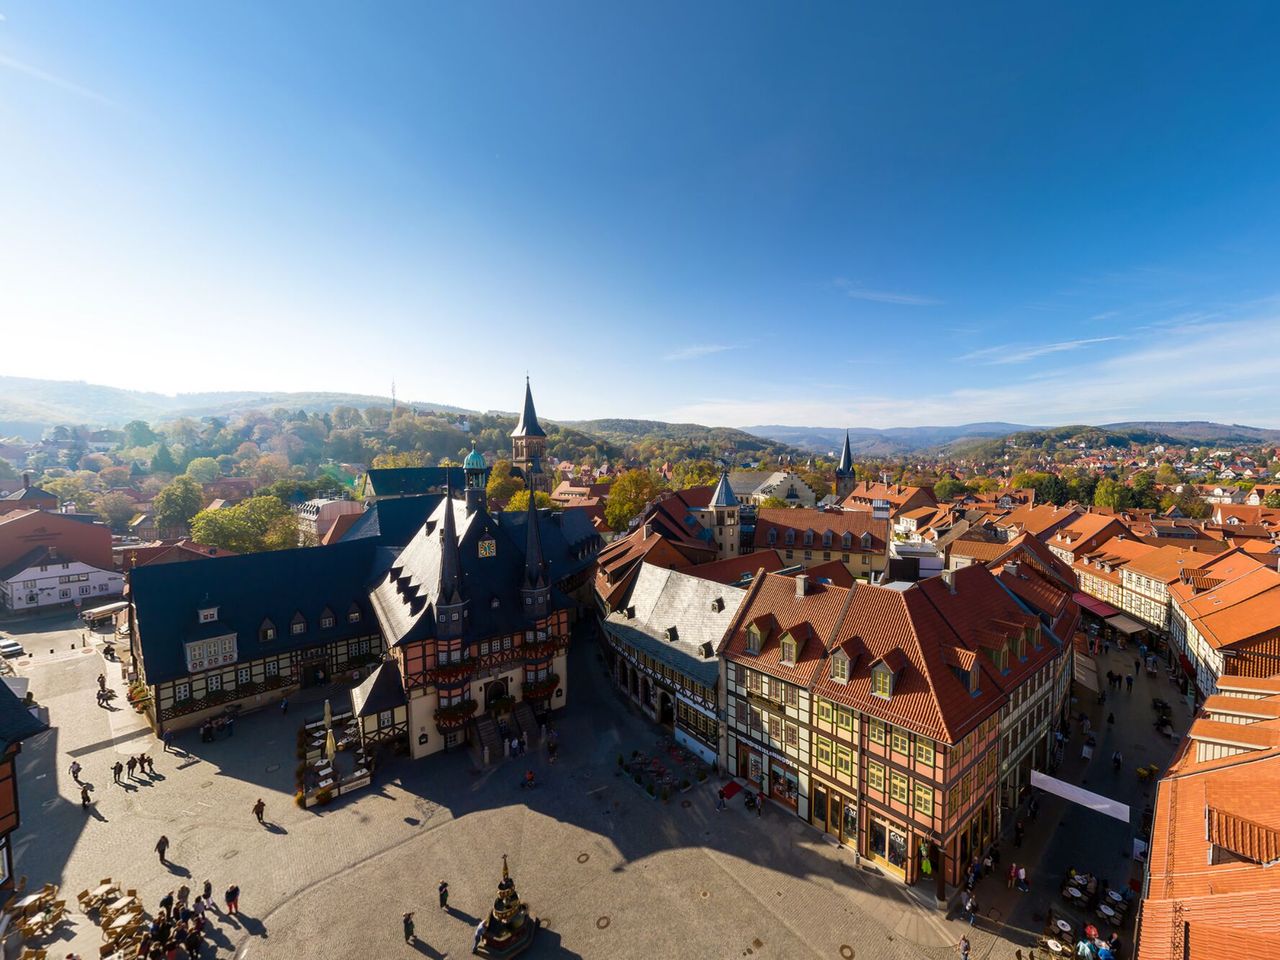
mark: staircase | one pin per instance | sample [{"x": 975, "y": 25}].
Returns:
[
  {"x": 527, "y": 722},
  {"x": 487, "y": 737}
]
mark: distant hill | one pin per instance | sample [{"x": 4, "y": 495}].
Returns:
[
  {"x": 686, "y": 440},
  {"x": 25, "y": 403},
  {"x": 1198, "y": 431},
  {"x": 893, "y": 441}
]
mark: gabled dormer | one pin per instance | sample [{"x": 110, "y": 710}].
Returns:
[
  {"x": 885, "y": 674},
  {"x": 787, "y": 650},
  {"x": 327, "y": 619},
  {"x": 866, "y": 540},
  {"x": 840, "y": 666},
  {"x": 757, "y": 635},
  {"x": 267, "y": 631},
  {"x": 207, "y": 615},
  {"x": 298, "y": 625}
]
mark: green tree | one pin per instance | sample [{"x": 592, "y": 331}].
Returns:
[
  {"x": 6, "y": 471},
  {"x": 502, "y": 485},
  {"x": 519, "y": 501},
  {"x": 947, "y": 488},
  {"x": 1111, "y": 494},
  {"x": 163, "y": 461},
  {"x": 68, "y": 490},
  {"x": 1272, "y": 500},
  {"x": 1166, "y": 475},
  {"x": 175, "y": 505},
  {"x": 774, "y": 503},
  {"x": 203, "y": 470},
  {"x": 628, "y": 495},
  {"x": 818, "y": 483},
  {"x": 694, "y": 473},
  {"x": 257, "y": 524},
  {"x": 138, "y": 433},
  {"x": 1143, "y": 487},
  {"x": 117, "y": 509}
]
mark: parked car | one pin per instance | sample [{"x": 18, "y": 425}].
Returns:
[{"x": 11, "y": 648}]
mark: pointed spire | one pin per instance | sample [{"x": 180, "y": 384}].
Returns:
[
  {"x": 528, "y": 425},
  {"x": 846, "y": 457},
  {"x": 450, "y": 561},
  {"x": 723, "y": 495},
  {"x": 535, "y": 568}
]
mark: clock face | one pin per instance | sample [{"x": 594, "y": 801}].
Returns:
[{"x": 488, "y": 547}]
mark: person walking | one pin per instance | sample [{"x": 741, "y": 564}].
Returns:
[
  {"x": 443, "y": 890},
  {"x": 259, "y": 809},
  {"x": 1128, "y": 683},
  {"x": 162, "y": 847},
  {"x": 1022, "y": 878},
  {"x": 964, "y": 948},
  {"x": 75, "y": 769},
  {"x": 971, "y": 907},
  {"x": 1017, "y": 834},
  {"x": 231, "y": 726},
  {"x": 85, "y": 798},
  {"x": 184, "y": 894},
  {"x": 132, "y": 765},
  {"x": 760, "y": 804},
  {"x": 408, "y": 927},
  {"x": 481, "y": 928},
  {"x": 166, "y": 902},
  {"x": 720, "y": 800},
  {"x": 168, "y": 741},
  {"x": 284, "y": 706},
  {"x": 1012, "y": 875},
  {"x": 116, "y": 770},
  {"x": 102, "y": 681},
  {"x": 232, "y": 896}
]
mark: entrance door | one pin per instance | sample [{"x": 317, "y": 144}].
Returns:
[
  {"x": 666, "y": 713},
  {"x": 494, "y": 690},
  {"x": 819, "y": 813},
  {"x": 887, "y": 844}
]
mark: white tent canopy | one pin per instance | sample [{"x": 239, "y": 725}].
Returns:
[{"x": 1094, "y": 801}]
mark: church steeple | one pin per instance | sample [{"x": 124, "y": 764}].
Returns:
[
  {"x": 844, "y": 470},
  {"x": 528, "y": 425},
  {"x": 529, "y": 446}
]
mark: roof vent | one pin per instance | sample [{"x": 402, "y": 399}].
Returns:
[
  {"x": 707, "y": 651},
  {"x": 629, "y": 613},
  {"x": 671, "y": 634},
  {"x": 717, "y": 604}
]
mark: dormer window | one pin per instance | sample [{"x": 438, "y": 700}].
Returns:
[
  {"x": 753, "y": 639},
  {"x": 208, "y": 614},
  {"x": 826, "y": 538},
  {"x": 773, "y": 536},
  {"x": 846, "y": 541},
  {"x": 881, "y": 681},
  {"x": 353, "y": 614},
  {"x": 298, "y": 625},
  {"x": 866, "y": 541},
  {"x": 326, "y": 619},
  {"x": 717, "y": 604},
  {"x": 790, "y": 538},
  {"x": 808, "y": 538},
  {"x": 787, "y": 655},
  {"x": 840, "y": 667},
  {"x": 267, "y": 631},
  {"x": 1001, "y": 659}
]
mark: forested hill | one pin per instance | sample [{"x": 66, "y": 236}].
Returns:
[{"x": 653, "y": 441}]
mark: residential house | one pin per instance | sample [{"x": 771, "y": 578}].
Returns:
[
  {"x": 1083, "y": 535},
  {"x": 900, "y": 498},
  {"x": 756, "y": 486},
  {"x": 854, "y": 537},
  {"x": 28, "y": 497},
  {"x": 316, "y": 517}
]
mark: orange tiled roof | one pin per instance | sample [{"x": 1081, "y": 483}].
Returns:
[
  {"x": 732, "y": 569},
  {"x": 1167, "y": 563},
  {"x": 839, "y": 522}
]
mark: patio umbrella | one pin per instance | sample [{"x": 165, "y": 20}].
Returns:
[
  {"x": 330, "y": 747},
  {"x": 328, "y": 715}
]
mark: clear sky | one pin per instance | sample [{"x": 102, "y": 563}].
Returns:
[{"x": 851, "y": 214}]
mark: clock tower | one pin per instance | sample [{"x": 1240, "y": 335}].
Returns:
[{"x": 529, "y": 446}]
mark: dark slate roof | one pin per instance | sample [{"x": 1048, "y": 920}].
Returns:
[
  {"x": 723, "y": 495},
  {"x": 393, "y": 522},
  {"x": 32, "y": 493},
  {"x": 528, "y": 425},
  {"x": 16, "y": 721},
  {"x": 381, "y": 690},
  {"x": 413, "y": 481},
  {"x": 845, "y": 466},
  {"x": 405, "y": 598},
  {"x": 569, "y": 541},
  {"x": 33, "y": 557},
  {"x": 247, "y": 590}
]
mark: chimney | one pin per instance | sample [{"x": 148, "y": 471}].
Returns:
[
  {"x": 646, "y": 531},
  {"x": 26, "y": 481},
  {"x": 949, "y": 578},
  {"x": 802, "y": 585}
]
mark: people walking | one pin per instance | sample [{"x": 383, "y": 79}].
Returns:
[
  {"x": 85, "y": 798},
  {"x": 162, "y": 847},
  {"x": 259, "y": 809},
  {"x": 481, "y": 927},
  {"x": 964, "y": 948},
  {"x": 116, "y": 770},
  {"x": 132, "y": 765},
  {"x": 408, "y": 927},
  {"x": 1128, "y": 683},
  {"x": 75, "y": 769},
  {"x": 284, "y": 706},
  {"x": 443, "y": 890},
  {"x": 720, "y": 800},
  {"x": 168, "y": 741},
  {"x": 232, "y": 896}
]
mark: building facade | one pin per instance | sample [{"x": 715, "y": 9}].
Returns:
[
  {"x": 42, "y": 579},
  {"x": 811, "y": 537}
]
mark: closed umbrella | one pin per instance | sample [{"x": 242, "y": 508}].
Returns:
[
  {"x": 328, "y": 715},
  {"x": 330, "y": 746}
]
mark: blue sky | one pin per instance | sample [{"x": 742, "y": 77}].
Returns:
[{"x": 872, "y": 214}]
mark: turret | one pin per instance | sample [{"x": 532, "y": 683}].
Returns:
[
  {"x": 536, "y": 592},
  {"x": 477, "y": 474},
  {"x": 451, "y": 604}
]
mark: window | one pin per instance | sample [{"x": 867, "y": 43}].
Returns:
[
  {"x": 208, "y": 615},
  {"x": 84, "y": 591},
  {"x": 824, "y": 711},
  {"x": 267, "y": 631},
  {"x": 182, "y": 691},
  {"x": 353, "y": 616},
  {"x": 297, "y": 627},
  {"x": 808, "y": 538},
  {"x": 924, "y": 751},
  {"x": 753, "y": 639},
  {"x": 846, "y": 541},
  {"x": 326, "y": 622},
  {"x": 875, "y": 730},
  {"x": 824, "y": 750},
  {"x": 898, "y": 787},
  {"x": 64, "y": 592},
  {"x": 866, "y": 541},
  {"x": 882, "y": 682},
  {"x": 29, "y": 584},
  {"x": 789, "y": 695},
  {"x": 844, "y": 760},
  {"x": 775, "y": 728},
  {"x": 826, "y": 538},
  {"x": 273, "y": 668},
  {"x": 901, "y": 742},
  {"x": 790, "y": 538},
  {"x": 840, "y": 669},
  {"x": 844, "y": 717},
  {"x": 875, "y": 776},
  {"x": 384, "y": 718},
  {"x": 788, "y": 654},
  {"x": 772, "y": 538},
  {"x": 792, "y": 735},
  {"x": 215, "y": 682},
  {"x": 242, "y": 676},
  {"x": 808, "y": 554},
  {"x": 924, "y": 799}
]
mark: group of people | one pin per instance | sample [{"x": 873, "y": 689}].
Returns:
[
  {"x": 1114, "y": 680},
  {"x": 181, "y": 922},
  {"x": 141, "y": 763},
  {"x": 443, "y": 891},
  {"x": 104, "y": 692},
  {"x": 215, "y": 726}
]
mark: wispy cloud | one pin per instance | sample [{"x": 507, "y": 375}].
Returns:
[
  {"x": 1011, "y": 353},
  {"x": 858, "y": 292},
  {"x": 697, "y": 351},
  {"x": 35, "y": 73}
]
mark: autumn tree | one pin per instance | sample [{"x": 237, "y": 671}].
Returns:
[
  {"x": 774, "y": 503},
  {"x": 1272, "y": 500},
  {"x": 629, "y": 493},
  {"x": 203, "y": 470},
  {"x": 502, "y": 485},
  {"x": 116, "y": 509},
  {"x": 257, "y": 524},
  {"x": 519, "y": 501}
]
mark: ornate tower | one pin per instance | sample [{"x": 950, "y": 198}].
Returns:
[
  {"x": 529, "y": 446},
  {"x": 509, "y": 928},
  {"x": 477, "y": 473},
  {"x": 844, "y": 470},
  {"x": 722, "y": 517},
  {"x": 451, "y": 605},
  {"x": 536, "y": 590}
]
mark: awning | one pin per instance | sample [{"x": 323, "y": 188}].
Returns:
[
  {"x": 1069, "y": 791},
  {"x": 1095, "y": 606},
  {"x": 1086, "y": 672},
  {"x": 1126, "y": 624}
]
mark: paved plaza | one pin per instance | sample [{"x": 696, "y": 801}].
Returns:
[{"x": 611, "y": 872}]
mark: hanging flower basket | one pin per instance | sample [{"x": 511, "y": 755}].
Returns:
[
  {"x": 451, "y": 672},
  {"x": 539, "y": 649},
  {"x": 455, "y": 716},
  {"x": 540, "y": 689}
]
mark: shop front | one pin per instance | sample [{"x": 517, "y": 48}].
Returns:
[
  {"x": 835, "y": 811},
  {"x": 777, "y": 778},
  {"x": 887, "y": 844}
]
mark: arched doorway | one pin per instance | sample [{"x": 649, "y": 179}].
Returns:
[
  {"x": 666, "y": 711},
  {"x": 494, "y": 690},
  {"x": 635, "y": 683},
  {"x": 646, "y": 692}
]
